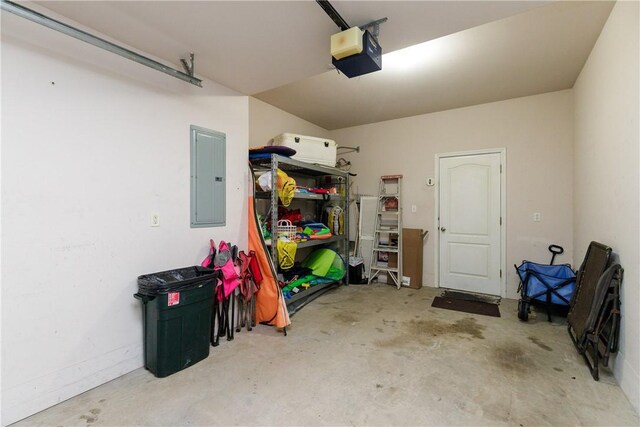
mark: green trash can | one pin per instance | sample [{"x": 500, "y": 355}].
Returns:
[{"x": 176, "y": 307}]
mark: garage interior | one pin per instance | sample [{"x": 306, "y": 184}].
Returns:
[{"x": 95, "y": 147}]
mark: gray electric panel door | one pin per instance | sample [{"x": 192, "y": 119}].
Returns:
[{"x": 208, "y": 176}]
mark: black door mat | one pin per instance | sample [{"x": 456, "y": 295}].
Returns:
[
  {"x": 491, "y": 299},
  {"x": 466, "y": 306}
]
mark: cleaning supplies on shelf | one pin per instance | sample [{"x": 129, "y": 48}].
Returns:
[{"x": 333, "y": 216}]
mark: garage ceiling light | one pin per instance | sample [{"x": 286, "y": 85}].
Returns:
[{"x": 416, "y": 56}]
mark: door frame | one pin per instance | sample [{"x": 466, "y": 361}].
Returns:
[{"x": 503, "y": 212}]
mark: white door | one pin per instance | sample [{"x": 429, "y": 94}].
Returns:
[{"x": 470, "y": 241}]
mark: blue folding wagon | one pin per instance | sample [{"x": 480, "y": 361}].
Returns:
[{"x": 545, "y": 284}]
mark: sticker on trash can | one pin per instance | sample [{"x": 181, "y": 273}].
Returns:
[{"x": 173, "y": 298}]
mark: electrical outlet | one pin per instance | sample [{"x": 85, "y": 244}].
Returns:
[
  {"x": 537, "y": 217},
  {"x": 155, "y": 220},
  {"x": 414, "y": 209},
  {"x": 430, "y": 182}
]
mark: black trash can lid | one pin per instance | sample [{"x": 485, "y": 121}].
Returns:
[{"x": 180, "y": 279}]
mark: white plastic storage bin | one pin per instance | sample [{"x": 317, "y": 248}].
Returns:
[{"x": 309, "y": 149}]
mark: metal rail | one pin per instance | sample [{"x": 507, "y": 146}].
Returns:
[
  {"x": 54, "y": 24},
  {"x": 333, "y": 14}
]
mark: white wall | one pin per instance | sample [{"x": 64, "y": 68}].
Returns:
[
  {"x": 537, "y": 133},
  {"x": 606, "y": 170},
  {"x": 85, "y": 162},
  {"x": 267, "y": 121}
]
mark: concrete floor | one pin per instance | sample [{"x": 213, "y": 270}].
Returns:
[{"x": 369, "y": 355}]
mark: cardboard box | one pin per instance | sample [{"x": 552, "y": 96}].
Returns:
[{"x": 412, "y": 253}]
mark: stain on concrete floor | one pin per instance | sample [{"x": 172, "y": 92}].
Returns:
[
  {"x": 511, "y": 357},
  {"x": 88, "y": 419},
  {"x": 467, "y": 326},
  {"x": 391, "y": 323},
  {"x": 423, "y": 332},
  {"x": 539, "y": 343},
  {"x": 346, "y": 318}
]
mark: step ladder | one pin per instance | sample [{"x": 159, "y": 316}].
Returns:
[{"x": 388, "y": 223}]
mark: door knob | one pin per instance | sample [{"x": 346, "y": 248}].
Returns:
[{"x": 443, "y": 229}]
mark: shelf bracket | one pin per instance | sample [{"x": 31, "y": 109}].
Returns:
[
  {"x": 189, "y": 67},
  {"x": 349, "y": 149}
]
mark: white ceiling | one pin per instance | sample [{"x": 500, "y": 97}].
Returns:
[
  {"x": 536, "y": 52},
  {"x": 279, "y": 50}
]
